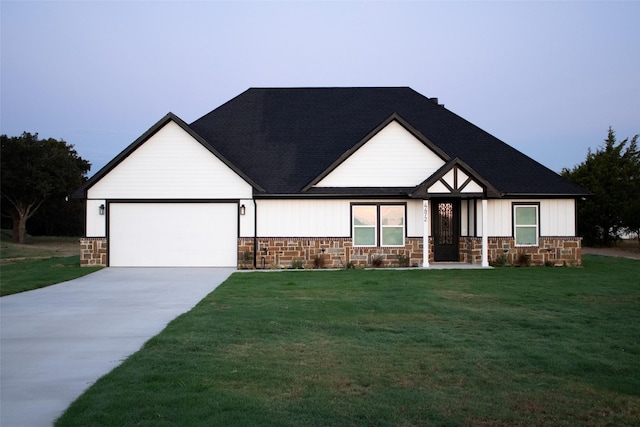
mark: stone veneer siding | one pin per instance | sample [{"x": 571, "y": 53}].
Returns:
[
  {"x": 93, "y": 251},
  {"x": 281, "y": 252},
  {"x": 555, "y": 250},
  {"x": 337, "y": 252},
  {"x": 334, "y": 252}
]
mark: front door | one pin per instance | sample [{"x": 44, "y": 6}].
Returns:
[{"x": 445, "y": 227}]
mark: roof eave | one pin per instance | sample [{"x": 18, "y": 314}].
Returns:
[
  {"x": 399, "y": 195},
  {"x": 545, "y": 195}
]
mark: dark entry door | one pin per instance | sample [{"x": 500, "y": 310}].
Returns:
[{"x": 445, "y": 227}]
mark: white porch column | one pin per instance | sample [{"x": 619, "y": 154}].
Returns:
[
  {"x": 485, "y": 235},
  {"x": 425, "y": 233}
]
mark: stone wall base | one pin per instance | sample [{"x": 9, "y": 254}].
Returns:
[
  {"x": 550, "y": 251},
  {"x": 338, "y": 252},
  {"x": 330, "y": 252},
  {"x": 93, "y": 251},
  {"x": 292, "y": 252}
]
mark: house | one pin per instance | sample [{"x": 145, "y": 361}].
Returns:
[{"x": 335, "y": 176}]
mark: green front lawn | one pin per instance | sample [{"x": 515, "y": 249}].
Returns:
[
  {"x": 27, "y": 275},
  {"x": 508, "y": 346},
  {"x": 42, "y": 261},
  {"x": 36, "y": 247}
]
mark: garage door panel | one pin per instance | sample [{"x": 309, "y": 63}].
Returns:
[{"x": 172, "y": 234}]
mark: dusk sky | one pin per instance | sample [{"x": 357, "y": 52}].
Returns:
[{"x": 548, "y": 78}]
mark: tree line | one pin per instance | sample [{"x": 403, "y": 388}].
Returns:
[
  {"x": 612, "y": 175},
  {"x": 38, "y": 174}
]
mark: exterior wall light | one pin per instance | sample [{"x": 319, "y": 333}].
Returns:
[
  {"x": 243, "y": 210},
  {"x": 101, "y": 209}
]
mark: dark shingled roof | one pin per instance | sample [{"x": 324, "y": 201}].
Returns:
[{"x": 283, "y": 139}]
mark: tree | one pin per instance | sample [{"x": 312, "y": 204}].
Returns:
[
  {"x": 631, "y": 207},
  {"x": 33, "y": 171},
  {"x": 612, "y": 175},
  {"x": 58, "y": 217}
]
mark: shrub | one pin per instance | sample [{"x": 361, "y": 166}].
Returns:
[
  {"x": 500, "y": 261},
  {"x": 318, "y": 261},
  {"x": 297, "y": 264},
  {"x": 524, "y": 260},
  {"x": 377, "y": 261},
  {"x": 403, "y": 260},
  {"x": 247, "y": 260}
]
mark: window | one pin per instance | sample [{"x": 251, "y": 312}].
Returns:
[
  {"x": 525, "y": 225},
  {"x": 392, "y": 223},
  {"x": 365, "y": 219},
  {"x": 378, "y": 223}
]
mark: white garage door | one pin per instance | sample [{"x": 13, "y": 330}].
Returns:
[{"x": 173, "y": 234}]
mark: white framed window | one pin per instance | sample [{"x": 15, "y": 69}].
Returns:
[
  {"x": 365, "y": 220},
  {"x": 378, "y": 225},
  {"x": 392, "y": 225},
  {"x": 526, "y": 224}
]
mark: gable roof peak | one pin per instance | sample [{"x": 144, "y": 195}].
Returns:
[
  {"x": 421, "y": 191},
  {"x": 394, "y": 117},
  {"x": 81, "y": 192}
]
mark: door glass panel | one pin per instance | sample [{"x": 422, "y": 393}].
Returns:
[{"x": 445, "y": 223}]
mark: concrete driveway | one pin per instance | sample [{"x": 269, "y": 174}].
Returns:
[{"x": 57, "y": 341}]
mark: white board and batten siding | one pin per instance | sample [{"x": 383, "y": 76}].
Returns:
[
  {"x": 171, "y": 164},
  {"x": 557, "y": 217},
  {"x": 332, "y": 218},
  {"x": 391, "y": 158},
  {"x": 95, "y": 223},
  {"x": 321, "y": 218},
  {"x": 247, "y": 221}
]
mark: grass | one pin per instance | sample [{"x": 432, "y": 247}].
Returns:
[
  {"x": 43, "y": 261},
  {"x": 33, "y": 274},
  {"x": 36, "y": 247},
  {"x": 527, "y": 346}
]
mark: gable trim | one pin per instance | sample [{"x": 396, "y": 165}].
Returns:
[
  {"x": 465, "y": 183},
  {"x": 394, "y": 117},
  {"x": 422, "y": 190},
  {"x": 81, "y": 193}
]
